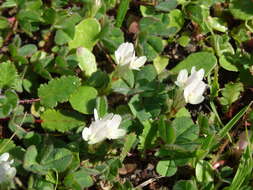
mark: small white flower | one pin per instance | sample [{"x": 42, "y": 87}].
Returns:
[
  {"x": 7, "y": 172},
  {"x": 125, "y": 57},
  {"x": 100, "y": 129},
  {"x": 193, "y": 85}
]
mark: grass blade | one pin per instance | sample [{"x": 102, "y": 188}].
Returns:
[
  {"x": 123, "y": 7},
  {"x": 232, "y": 122}
]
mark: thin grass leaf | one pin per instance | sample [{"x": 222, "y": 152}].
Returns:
[
  {"x": 232, "y": 122},
  {"x": 244, "y": 170},
  {"x": 123, "y": 7},
  {"x": 216, "y": 113}
]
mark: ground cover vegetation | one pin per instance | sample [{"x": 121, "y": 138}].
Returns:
[{"x": 126, "y": 94}]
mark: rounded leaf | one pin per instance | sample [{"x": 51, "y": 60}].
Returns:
[
  {"x": 184, "y": 184},
  {"x": 86, "y": 33},
  {"x": 166, "y": 168},
  {"x": 78, "y": 180},
  {"x": 84, "y": 99}
]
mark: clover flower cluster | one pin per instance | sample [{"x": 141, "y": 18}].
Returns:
[
  {"x": 193, "y": 85},
  {"x": 103, "y": 128},
  {"x": 125, "y": 57}
]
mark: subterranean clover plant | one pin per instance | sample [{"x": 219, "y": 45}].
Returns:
[{"x": 126, "y": 94}]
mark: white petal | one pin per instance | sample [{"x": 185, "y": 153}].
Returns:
[
  {"x": 201, "y": 87},
  {"x": 190, "y": 88},
  {"x": 195, "y": 76},
  {"x": 11, "y": 172},
  {"x": 201, "y": 74},
  {"x": 98, "y": 136},
  {"x": 113, "y": 131},
  {"x": 192, "y": 78},
  {"x": 4, "y": 157},
  {"x": 138, "y": 62},
  {"x": 196, "y": 99},
  {"x": 96, "y": 139},
  {"x": 118, "y": 53},
  {"x": 114, "y": 122},
  {"x": 108, "y": 117},
  {"x": 116, "y": 134},
  {"x": 97, "y": 131},
  {"x": 96, "y": 114},
  {"x": 182, "y": 78},
  {"x": 193, "y": 70},
  {"x": 186, "y": 95},
  {"x": 193, "y": 93},
  {"x": 86, "y": 133}
]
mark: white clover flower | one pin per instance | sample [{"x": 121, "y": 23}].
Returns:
[
  {"x": 193, "y": 85},
  {"x": 100, "y": 129},
  {"x": 7, "y": 172},
  {"x": 125, "y": 57}
]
